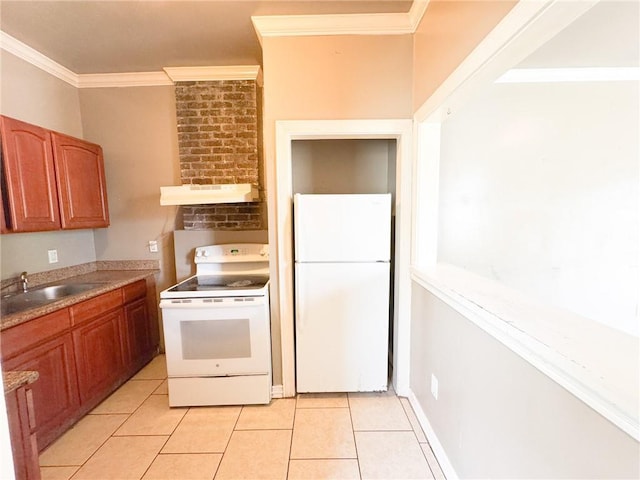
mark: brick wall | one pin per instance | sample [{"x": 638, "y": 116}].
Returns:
[{"x": 218, "y": 140}]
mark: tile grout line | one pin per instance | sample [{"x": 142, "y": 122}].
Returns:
[
  {"x": 293, "y": 426},
  {"x": 353, "y": 432},
  {"x": 413, "y": 428}
]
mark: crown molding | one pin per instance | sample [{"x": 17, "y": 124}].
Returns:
[
  {"x": 37, "y": 59},
  {"x": 345, "y": 24},
  {"x": 195, "y": 74},
  {"x": 265, "y": 26},
  {"x": 306, "y": 25},
  {"x": 416, "y": 12},
  {"x": 133, "y": 79}
]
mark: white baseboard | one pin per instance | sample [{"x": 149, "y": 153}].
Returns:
[
  {"x": 436, "y": 446},
  {"x": 277, "y": 391}
]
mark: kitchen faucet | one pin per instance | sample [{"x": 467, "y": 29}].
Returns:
[{"x": 24, "y": 281}]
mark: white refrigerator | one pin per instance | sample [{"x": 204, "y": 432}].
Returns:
[{"x": 342, "y": 277}]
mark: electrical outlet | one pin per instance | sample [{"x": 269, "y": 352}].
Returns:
[
  {"x": 434, "y": 386},
  {"x": 153, "y": 246},
  {"x": 53, "y": 256}
]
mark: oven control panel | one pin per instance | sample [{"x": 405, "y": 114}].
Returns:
[{"x": 237, "y": 252}]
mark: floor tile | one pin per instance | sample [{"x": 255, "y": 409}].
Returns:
[
  {"x": 163, "y": 389},
  {"x": 341, "y": 469},
  {"x": 183, "y": 467},
  {"x": 391, "y": 455},
  {"x": 154, "y": 417},
  {"x": 156, "y": 369},
  {"x": 122, "y": 458},
  {"x": 433, "y": 463},
  {"x": 277, "y": 415},
  {"x": 322, "y": 400},
  {"x": 57, "y": 473},
  {"x": 413, "y": 420},
  {"x": 203, "y": 430},
  {"x": 322, "y": 433},
  {"x": 128, "y": 397},
  {"x": 81, "y": 441},
  {"x": 256, "y": 454},
  {"x": 377, "y": 411}
]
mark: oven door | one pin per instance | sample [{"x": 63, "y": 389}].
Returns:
[{"x": 217, "y": 337}]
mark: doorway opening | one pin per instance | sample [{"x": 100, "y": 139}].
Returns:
[{"x": 302, "y": 150}]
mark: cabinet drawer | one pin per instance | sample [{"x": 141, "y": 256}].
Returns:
[
  {"x": 134, "y": 291},
  {"x": 94, "y": 307},
  {"x": 28, "y": 334}
]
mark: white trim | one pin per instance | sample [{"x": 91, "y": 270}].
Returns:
[
  {"x": 232, "y": 72},
  {"x": 525, "y": 28},
  {"x": 550, "y": 75},
  {"x": 346, "y": 24},
  {"x": 280, "y": 223},
  {"x": 133, "y": 79},
  {"x": 128, "y": 79},
  {"x": 537, "y": 352},
  {"x": 416, "y": 12},
  {"x": 434, "y": 441},
  {"x": 37, "y": 59},
  {"x": 426, "y": 196},
  {"x": 277, "y": 391}
]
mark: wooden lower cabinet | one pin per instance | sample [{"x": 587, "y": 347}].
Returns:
[
  {"x": 99, "y": 356},
  {"x": 55, "y": 394},
  {"x": 20, "y": 413},
  {"x": 82, "y": 353},
  {"x": 139, "y": 345}
]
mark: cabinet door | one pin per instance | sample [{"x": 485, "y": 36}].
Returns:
[
  {"x": 23, "y": 441},
  {"x": 3, "y": 222},
  {"x": 55, "y": 394},
  {"x": 99, "y": 357},
  {"x": 30, "y": 179},
  {"x": 81, "y": 182},
  {"x": 138, "y": 335}
]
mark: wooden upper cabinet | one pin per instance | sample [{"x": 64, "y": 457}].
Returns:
[
  {"x": 29, "y": 185},
  {"x": 81, "y": 183},
  {"x": 50, "y": 180}
]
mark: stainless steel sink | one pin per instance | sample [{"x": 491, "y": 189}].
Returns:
[{"x": 39, "y": 296}]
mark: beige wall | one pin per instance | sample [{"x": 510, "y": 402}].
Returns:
[
  {"x": 32, "y": 95},
  {"x": 29, "y": 94},
  {"x": 327, "y": 78},
  {"x": 337, "y": 77},
  {"x": 499, "y": 417},
  {"x": 447, "y": 34},
  {"x": 342, "y": 166},
  {"x": 136, "y": 128}
]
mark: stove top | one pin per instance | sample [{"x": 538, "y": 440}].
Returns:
[
  {"x": 203, "y": 286},
  {"x": 207, "y": 283},
  {"x": 229, "y": 270}
]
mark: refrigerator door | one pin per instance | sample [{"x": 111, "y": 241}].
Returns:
[
  {"x": 342, "y": 228},
  {"x": 342, "y": 327}
]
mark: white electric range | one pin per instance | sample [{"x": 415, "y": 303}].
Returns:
[{"x": 217, "y": 328}]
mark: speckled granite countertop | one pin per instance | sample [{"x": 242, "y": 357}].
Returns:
[
  {"x": 13, "y": 380},
  {"x": 99, "y": 273}
]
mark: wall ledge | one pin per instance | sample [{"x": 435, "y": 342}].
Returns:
[{"x": 597, "y": 364}]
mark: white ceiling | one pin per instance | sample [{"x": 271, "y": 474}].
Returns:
[{"x": 144, "y": 36}]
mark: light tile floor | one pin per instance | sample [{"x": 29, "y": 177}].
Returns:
[{"x": 134, "y": 434}]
